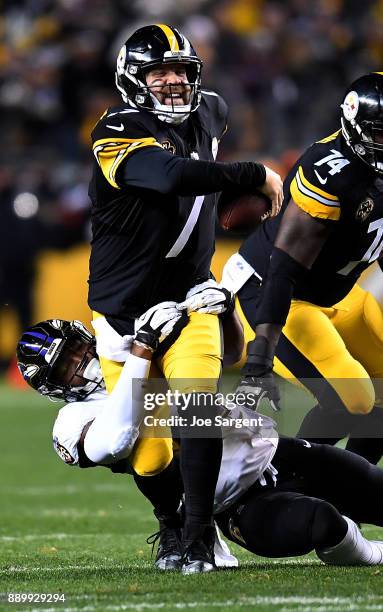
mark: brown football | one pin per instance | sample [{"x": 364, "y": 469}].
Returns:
[{"x": 243, "y": 212}]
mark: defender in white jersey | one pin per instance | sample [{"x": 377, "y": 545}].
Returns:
[
  {"x": 247, "y": 455},
  {"x": 282, "y": 508},
  {"x": 272, "y": 511}
]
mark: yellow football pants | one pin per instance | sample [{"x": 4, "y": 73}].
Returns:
[
  {"x": 343, "y": 344},
  {"x": 192, "y": 363}
]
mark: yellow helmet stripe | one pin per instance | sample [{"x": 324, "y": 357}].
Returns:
[{"x": 172, "y": 40}]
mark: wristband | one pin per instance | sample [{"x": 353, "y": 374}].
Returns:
[
  {"x": 230, "y": 307},
  {"x": 147, "y": 339},
  {"x": 144, "y": 346},
  {"x": 260, "y": 355}
]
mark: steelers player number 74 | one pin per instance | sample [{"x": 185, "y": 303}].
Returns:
[{"x": 373, "y": 250}]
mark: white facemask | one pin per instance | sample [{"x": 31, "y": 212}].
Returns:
[
  {"x": 163, "y": 113},
  {"x": 93, "y": 373}
]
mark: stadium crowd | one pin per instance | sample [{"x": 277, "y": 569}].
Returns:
[{"x": 281, "y": 66}]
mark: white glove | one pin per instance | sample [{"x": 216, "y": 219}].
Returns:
[
  {"x": 208, "y": 297},
  {"x": 156, "y": 324}
]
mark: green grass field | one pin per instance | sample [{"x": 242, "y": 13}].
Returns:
[{"x": 82, "y": 533}]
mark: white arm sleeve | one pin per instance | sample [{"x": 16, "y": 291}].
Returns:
[{"x": 113, "y": 433}]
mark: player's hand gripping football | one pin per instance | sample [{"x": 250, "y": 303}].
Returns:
[
  {"x": 273, "y": 189},
  {"x": 156, "y": 324},
  {"x": 208, "y": 297},
  {"x": 258, "y": 382}
]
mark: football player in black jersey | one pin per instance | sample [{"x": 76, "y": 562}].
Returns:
[
  {"x": 153, "y": 196},
  {"x": 299, "y": 289}
]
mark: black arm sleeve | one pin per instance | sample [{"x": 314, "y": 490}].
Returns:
[
  {"x": 156, "y": 169},
  {"x": 277, "y": 291}
]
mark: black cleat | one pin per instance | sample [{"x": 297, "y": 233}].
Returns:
[
  {"x": 169, "y": 551},
  {"x": 198, "y": 553}
]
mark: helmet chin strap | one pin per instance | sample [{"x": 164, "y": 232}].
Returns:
[{"x": 174, "y": 119}]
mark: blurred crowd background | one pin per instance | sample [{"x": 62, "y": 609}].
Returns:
[{"x": 282, "y": 66}]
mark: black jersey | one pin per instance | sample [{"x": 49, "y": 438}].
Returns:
[
  {"x": 148, "y": 247},
  {"x": 331, "y": 183}
]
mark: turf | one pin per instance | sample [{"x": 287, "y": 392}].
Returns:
[{"x": 82, "y": 533}]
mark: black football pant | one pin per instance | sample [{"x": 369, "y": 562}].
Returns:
[
  {"x": 365, "y": 431},
  {"x": 316, "y": 485}
]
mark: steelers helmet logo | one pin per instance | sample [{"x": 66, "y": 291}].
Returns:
[
  {"x": 121, "y": 60},
  {"x": 364, "y": 209},
  {"x": 350, "y": 105}
]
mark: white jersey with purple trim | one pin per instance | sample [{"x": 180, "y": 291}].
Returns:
[
  {"x": 249, "y": 444},
  {"x": 70, "y": 422}
]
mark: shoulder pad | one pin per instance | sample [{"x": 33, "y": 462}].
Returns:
[
  {"x": 64, "y": 453},
  {"x": 66, "y": 433},
  {"x": 123, "y": 122},
  {"x": 216, "y": 111},
  {"x": 322, "y": 174},
  {"x": 68, "y": 427},
  {"x": 216, "y": 103},
  {"x": 118, "y": 133}
]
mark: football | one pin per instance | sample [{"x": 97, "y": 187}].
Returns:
[{"x": 243, "y": 212}]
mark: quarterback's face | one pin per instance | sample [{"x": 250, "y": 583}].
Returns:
[{"x": 169, "y": 83}]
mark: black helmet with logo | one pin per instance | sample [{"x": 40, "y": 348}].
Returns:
[
  {"x": 362, "y": 119},
  {"x": 44, "y": 353},
  {"x": 151, "y": 46}
]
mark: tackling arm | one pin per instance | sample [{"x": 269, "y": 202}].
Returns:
[{"x": 113, "y": 433}]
